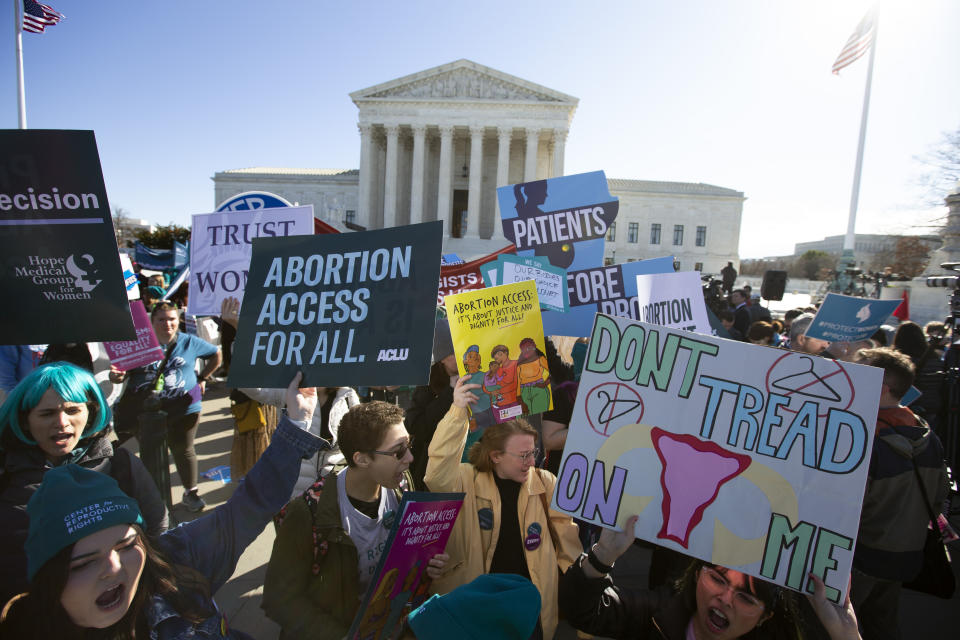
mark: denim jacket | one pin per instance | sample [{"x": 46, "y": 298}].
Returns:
[{"x": 213, "y": 544}]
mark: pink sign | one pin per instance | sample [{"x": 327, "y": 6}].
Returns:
[
  {"x": 130, "y": 354},
  {"x": 419, "y": 533}
]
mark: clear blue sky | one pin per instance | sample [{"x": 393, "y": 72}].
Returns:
[{"x": 736, "y": 93}]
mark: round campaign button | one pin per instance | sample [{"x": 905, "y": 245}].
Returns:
[
  {"x": 534, "y": 529},
  {"x": 532, "y": 541}
]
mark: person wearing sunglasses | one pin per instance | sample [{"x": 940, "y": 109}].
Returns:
[
  {"x": 505, "y": 525},
  {"x": 330, "y": 540},
  {"x": 707, "y": 602}
]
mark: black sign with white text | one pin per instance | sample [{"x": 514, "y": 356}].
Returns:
[
  {"x": 60, "y": 273},
  {"x": 346, "y": 309}
]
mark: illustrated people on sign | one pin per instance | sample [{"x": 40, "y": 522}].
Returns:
[
  {"x": 533, "y": 377},
  {"x": 482, "y": 416},
  {"x": 709, "y": 601},
  {"x": 57, "y": 415},
  {"x": 330, "y": 541},
  {"x": 505, "y": 524},
  {"x": 507, "y": 372},
  {"x": 491, "y": 382},
  {"x": 92, "y": 569},
  {"x": 729, "y": 276}
]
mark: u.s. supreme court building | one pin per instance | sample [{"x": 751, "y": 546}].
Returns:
[{"x": 435, "y": 145}]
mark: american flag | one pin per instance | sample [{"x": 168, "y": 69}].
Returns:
[
  {"x": 859, "y": 42},
  {"x": 37, "y": 17}
]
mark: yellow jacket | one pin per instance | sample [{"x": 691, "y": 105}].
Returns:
[{"x": 470, "y": 547}]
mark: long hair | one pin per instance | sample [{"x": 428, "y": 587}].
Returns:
[
  {"x": 72, "y": 383},
  {"x": 40, "y": 614},
  {"x": 782, "y": 625},
  {"x": 494, "y": 438}
]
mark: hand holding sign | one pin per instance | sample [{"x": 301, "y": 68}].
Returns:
[{"x": 301, "y": 402}]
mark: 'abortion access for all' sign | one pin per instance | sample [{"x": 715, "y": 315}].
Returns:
[
  {"x": 746, "y": 456},
  {"x": 347, "y": 309}
]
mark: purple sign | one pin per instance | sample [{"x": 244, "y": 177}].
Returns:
[
  {"x": 130, "y": 354},
  {"x": 401, "y": 582}
]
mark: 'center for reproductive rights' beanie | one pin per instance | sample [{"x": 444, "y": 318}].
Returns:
[
  {"x": 495, "y": 605},
  {"x": 72, "y": 503}
]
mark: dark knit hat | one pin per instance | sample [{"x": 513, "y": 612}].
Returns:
[
  {"x": 495, "y": 605},
  {"x": 72, "y": 503},
  {"x": 442, "y": 341}
]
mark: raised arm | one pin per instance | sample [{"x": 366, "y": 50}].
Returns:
[{"x": 446, "y": 446}]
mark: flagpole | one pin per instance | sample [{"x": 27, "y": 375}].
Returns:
[
  {"x": 21, "y": 99},
  {"x": 849, "y": 239}
]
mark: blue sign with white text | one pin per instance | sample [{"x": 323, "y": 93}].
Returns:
[
  {"x": 563, "y": 219},
  {"x": 611, "y": 290},
  {"x": 849, "y": 319}
]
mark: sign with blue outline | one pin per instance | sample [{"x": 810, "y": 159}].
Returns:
[{"x": 249, "y": 200}]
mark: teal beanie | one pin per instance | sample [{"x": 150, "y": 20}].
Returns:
[
  {"x": 495, "y": 605},
  {"x": 72, "y": 503}
]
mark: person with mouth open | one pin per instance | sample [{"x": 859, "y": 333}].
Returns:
[
  {"x": 709, "y": 602},
  {"x": 330, "y": 540},
  {"x": 505, "y": 525},
  {"x": 57, "y": 415},
  {"x": 91, "y": 567}
]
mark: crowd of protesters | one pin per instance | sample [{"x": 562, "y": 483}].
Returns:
[{"x": 88, "y": 551}]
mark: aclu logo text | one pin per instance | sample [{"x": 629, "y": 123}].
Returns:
[{"x": 392, "y": 355}]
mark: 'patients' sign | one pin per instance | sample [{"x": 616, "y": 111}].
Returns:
[
  {"x": 220, "y": 250},
  {"x": 745, "y": 456}
]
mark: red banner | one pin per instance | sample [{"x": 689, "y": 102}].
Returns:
[{"x": 466, "y": 276}]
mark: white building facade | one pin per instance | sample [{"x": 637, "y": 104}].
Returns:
[{"x": 435, "y": 145}]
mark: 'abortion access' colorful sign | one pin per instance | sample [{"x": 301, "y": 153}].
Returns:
[
  {"x": 746, "y": 456},
  {"x": 346, "y": 309}
]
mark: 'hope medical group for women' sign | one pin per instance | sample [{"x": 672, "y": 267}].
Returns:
[{"x": 746, "y": 456}]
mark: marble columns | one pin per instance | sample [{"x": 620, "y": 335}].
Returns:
[
  {"x": 416, "y": 174},
  {"x": 530, "y": 165},
  {"x": 476, "y": 173},
  {"x": 444, "y": 182}
]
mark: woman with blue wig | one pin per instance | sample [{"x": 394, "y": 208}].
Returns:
[{"x": 57, "y": 415}]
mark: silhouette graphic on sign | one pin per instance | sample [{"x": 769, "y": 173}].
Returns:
[
  {"x": 529, "y": 197},
  {"x": 686, "y": 495},
  {"x": 807, "y": 383}
]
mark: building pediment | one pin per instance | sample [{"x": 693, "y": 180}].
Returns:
[{"x": 462, "y": 80}]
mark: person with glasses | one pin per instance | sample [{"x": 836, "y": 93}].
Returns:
[
  {"x": 505, "y": 525},
  {"x": 707, "y": 602},
  {"x": 180, "y": 390},
  {"x": 330, "y": 540}
]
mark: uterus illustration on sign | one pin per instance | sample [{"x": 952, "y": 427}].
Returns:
[{"x": 692, "y": 474}]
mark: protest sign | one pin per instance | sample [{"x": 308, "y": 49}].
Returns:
[
  {"x": 130, "y": 280},
  {"x": 563, "y": 219},
  {"x": 346, "y": 309},
  {"x": 401, "y": 582},
  {"x": 673, "y": 300},
  {"x": 611, "y": 290},
  {"x": 466, "y": 276},
  {"x": 745, "y": 456},
  {"x": 849, "y": 319},
  {"x": 161, "y": 259},
  {"x": 130, "y": 354},
  {"x": 487, "y": 326},
  {"x": 551, "y": 281},
  {"x": 60, "y": 273},
  {"x": 220, "y": 250}
]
